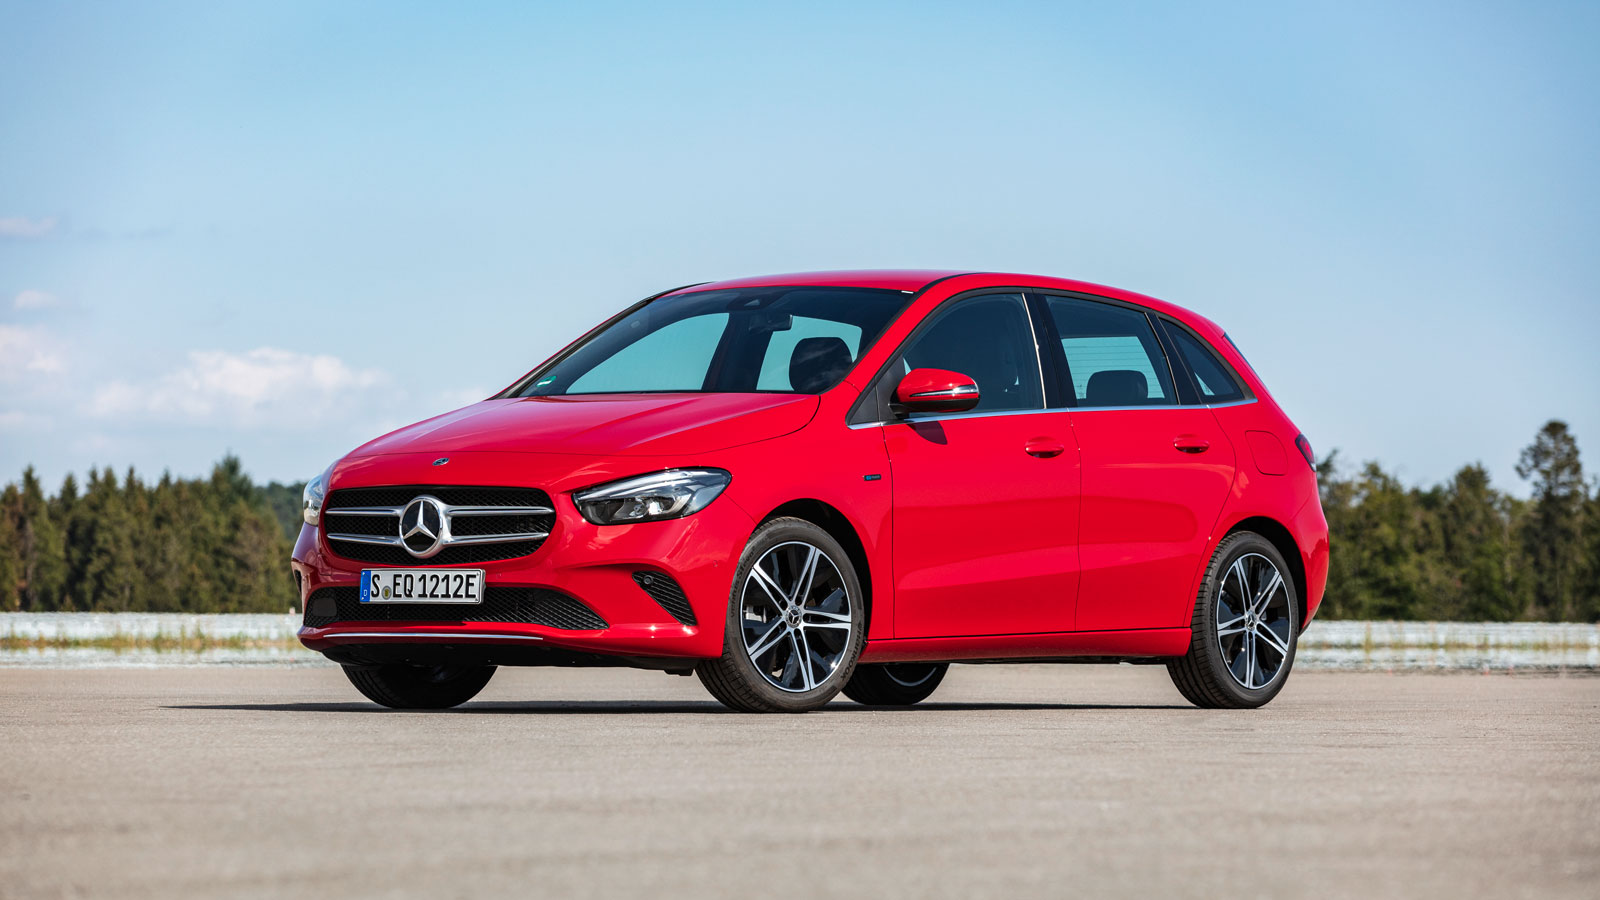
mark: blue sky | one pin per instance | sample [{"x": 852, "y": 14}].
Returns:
[{"x": 281, "y": 228}]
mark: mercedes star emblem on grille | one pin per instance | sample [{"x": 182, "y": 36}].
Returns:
[{"x": 422, "y": 527}]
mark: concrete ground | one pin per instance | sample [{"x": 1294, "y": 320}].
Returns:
[{"x": 1012, "y": 781}]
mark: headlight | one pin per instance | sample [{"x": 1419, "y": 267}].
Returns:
[
  {"x": 311, "y": 498},
  {"x": 671, "y": 494}
]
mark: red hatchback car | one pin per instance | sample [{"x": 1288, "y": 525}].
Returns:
[{"x": 802, "y": 484}]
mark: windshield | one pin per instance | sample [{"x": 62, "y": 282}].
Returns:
[{"x": 786, "y": 339}]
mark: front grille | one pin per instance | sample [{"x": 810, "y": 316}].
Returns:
[
  {"x": 528, "y": 605},
  {"x": 667, "y": 593},
  {"x": 529, "y": 529}
]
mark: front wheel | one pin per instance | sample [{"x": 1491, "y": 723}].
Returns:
[
  {"x": 1245, "y": 629},
  {"x": 796, "y": 622},
  {"x": 419, "y": 687}
]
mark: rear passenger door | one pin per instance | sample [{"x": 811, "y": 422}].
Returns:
[{"x": 1156, "y": 471}]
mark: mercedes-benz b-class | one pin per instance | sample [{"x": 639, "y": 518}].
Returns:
[{"x": 798, "y": 485}]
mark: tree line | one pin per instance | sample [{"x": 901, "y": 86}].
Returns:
[
  {"x": 1464, "y": 550},
  {"x": 1460, "y": 550},
  {"x": 217, "y": 544}
]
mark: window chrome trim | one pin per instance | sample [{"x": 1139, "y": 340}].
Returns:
[
  {"x": 1160, "y": 407},
  {"x": 939, "y": 417}
]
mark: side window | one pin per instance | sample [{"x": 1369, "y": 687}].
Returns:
[
  {"x": 673, "y": 358},
  {"x": 779, "y": 367},
  {"x": 1113, "y": 358},
  {"x": 1211, "y": 377},
  {"x": 988, "y": 339}
]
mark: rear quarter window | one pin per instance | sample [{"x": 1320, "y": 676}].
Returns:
[{"x": 1213, "y": 380}]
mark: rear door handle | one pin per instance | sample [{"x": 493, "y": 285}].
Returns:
[
  {"x": 1043, "y": 447},
  {"x": 1191, "y": 443}
]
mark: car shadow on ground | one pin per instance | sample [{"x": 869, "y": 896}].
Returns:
[{"x": 656, "y": 707}]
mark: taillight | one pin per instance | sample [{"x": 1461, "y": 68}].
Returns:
[{"x": 1305, "y": 450}]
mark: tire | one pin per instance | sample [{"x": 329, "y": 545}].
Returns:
[
  {"x": 895, "y": 684},
  {"x": 419, "y": 687},
  {"x": 779, "y": 655},
  {"x": 1249, "y": 589}
]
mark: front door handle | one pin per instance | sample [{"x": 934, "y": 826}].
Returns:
[
  {"x": 1043, "y": 447},
  {"x": 1191, "y": 443}
]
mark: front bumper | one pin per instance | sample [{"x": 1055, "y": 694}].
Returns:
[{"x": 593, "y": 564}]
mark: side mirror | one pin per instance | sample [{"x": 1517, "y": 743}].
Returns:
[{"x": 934, "y": 391}]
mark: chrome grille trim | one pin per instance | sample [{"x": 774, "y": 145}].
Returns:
[
  {"x": 380, "y": 525},
  {"x": 367, "y": 539},
  {"x": 497, "y": 510}
]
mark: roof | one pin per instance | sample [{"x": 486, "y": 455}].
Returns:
[
  {"x": 892, "y": 279},
  {"x": 912, "y": 280}
]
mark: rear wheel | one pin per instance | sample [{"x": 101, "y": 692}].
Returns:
[
  {"x": 1245, "y": 630},
  {"x": 795, "y": 622},
  {"x": 419, "y": 687},
  {"x": 895, "y": 684}
]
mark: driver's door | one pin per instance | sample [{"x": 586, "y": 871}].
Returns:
[{"x": 986, "y": 501}]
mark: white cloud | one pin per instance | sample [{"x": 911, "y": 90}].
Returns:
[
  {"x": 22, "y": 227},
  {"x": 31, "y": 299},
  {"x": 27, "y": 352},
  {"x": 265, "y": 385}
]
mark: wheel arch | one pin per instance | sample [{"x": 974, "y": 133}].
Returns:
[
  {"x": 1281, "y": 538},
  {"x": 840, "y": 528}
]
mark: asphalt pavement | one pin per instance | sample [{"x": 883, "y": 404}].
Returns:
[{"x": 1011, "y": 781}]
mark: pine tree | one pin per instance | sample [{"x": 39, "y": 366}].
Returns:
[
  {"x": 1476, "y": 528},
  {"x": 1551, "y": 552},
  {"x": 1588, "y": 591},
  {"x": 42, "y": 547},
  {"x": 11, "y": 579}
]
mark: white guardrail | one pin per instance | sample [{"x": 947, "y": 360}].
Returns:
[
  {"x": 151, "y": 639},
  {"x": 161, "y": 639}
]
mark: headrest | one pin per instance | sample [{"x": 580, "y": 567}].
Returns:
[
  {"x": 817, "y": 363},
  {"x": 1117, "y": 387}
]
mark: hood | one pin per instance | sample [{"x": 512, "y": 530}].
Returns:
[{"x": 604, "y": 425}]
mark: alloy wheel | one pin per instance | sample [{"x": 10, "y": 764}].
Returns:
[
  {"x": 795, "y": 614},
  {"x": 1253, "y": 621}
]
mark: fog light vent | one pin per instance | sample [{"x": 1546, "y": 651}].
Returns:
[
  {"x": 663, "y": 590},
  {"x": 322, "y": 606}
]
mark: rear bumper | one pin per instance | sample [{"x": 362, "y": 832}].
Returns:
[
  {"x": 1310, "y": 530},
  {"x": 593, "y": 564}
]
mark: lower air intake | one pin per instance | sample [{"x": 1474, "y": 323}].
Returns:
[
  {"x": 528, "y": 605},
  {"x": 666, "y": 592}
]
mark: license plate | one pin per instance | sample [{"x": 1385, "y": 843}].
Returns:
[{"x": 422, "y": 586}]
